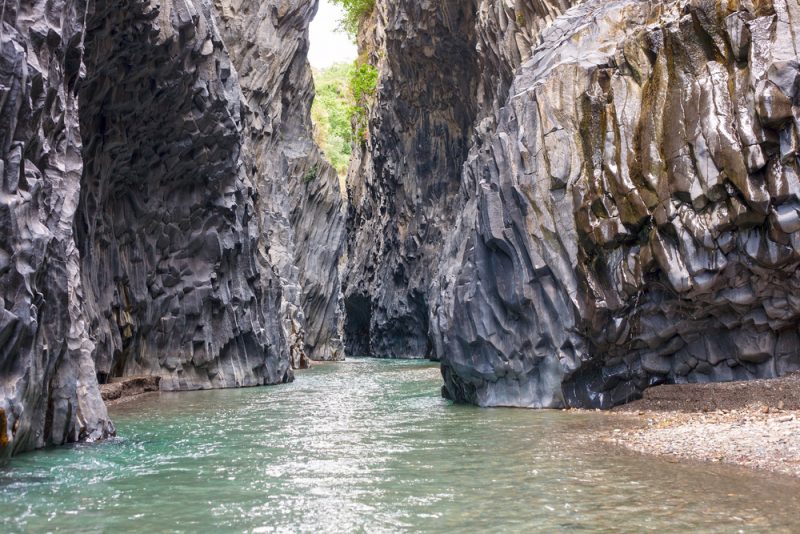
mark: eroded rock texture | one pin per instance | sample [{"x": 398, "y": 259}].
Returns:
[
  {"x": 48, "y": 391},
  {"x": 168, "y": 225},
  {"x": 633, "y": 210},
  {"x": 445, "y": 67},
  {"x": 159, "y": 210},
  {"x": 299, "y": 199},
  {"x": 626, "y": 211},
  {"x": 404, "y": 182}
]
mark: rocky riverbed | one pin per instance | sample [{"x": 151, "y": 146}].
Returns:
[{"x": 753, "y": 424}]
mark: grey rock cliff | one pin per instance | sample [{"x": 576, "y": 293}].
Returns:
[
  {"x": 445, "y": 67},
  {"x": 632, "y": 214},
  {"x": 157, "y": 211},
  {"x": 168, "y": 225},
  {"x": 300, "y": 203},
  {"x": 625, "y": 215},
  {"x": 403, "y": 183},
  {"x": 48, "y": 391}
]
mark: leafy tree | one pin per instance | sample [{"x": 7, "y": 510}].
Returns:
[
  {"x": 344, "y": 93},
  {"x": 354, "y": 12},
  {"x": 331, "y": 113}
]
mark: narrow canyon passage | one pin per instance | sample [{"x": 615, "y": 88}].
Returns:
[
  {"x": 568, "y": 205},
  {"x": 370, "y": 445}
]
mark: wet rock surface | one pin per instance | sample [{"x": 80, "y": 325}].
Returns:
[
  {"x": 122, "y": 389},
  {"x": 444, "y": 70},
  {"x": 153, "y": 199},
  {"x": 631, "y": 216}
]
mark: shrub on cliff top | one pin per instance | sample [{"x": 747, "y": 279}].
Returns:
[
  {"x": 344, "y": 93},
  {"x": 354, "y": 12}
]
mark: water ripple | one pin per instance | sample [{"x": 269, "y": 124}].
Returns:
[{"x": 369, "y": 446}]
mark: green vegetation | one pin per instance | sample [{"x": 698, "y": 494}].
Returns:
[
  {"x": 341, "y": 107},
  {"x": 331, "y": 115},
  {"x": 363, "y": 86},
  {"x": 311, "y": 174},
  {"x": 354, "y": 12}
]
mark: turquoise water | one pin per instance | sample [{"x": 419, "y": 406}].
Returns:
[{"x": 369, "y": 446}]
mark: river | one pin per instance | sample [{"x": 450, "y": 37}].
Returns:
[{"x": 370, "y": 446}]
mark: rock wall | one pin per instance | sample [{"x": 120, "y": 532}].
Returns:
[
  {"x": 299, "y": 199},
  {"x": 164, "y": 214},
  {"x": 625, "y": 215},
  {"x": 168, "y": 224},
  {"x": 48, "y": 391},
  {"x": 633, "y": 217},
  {"x": 403, "y": 184},
  {"x": 444, "y": 67}
]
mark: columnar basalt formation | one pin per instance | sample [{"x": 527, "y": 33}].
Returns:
[
  {"x": 159, "y": 214},
  {"x": 633, "y": 215},
  {"x": 445, "y": 67},
  {"x": 168, "y": 226},
  {"x": 403, "y": 183},
  {"x": 627, "y": 209},
  {"x": 299, "y": 199},
  {"x": 48, "y": 391},
  {"x": 565, "y": 202}
]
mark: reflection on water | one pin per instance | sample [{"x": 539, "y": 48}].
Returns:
[{"x": 369, "y": 445}]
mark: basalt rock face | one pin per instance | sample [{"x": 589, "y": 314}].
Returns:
[
  {"x": 299, "y": 199},
  {"x": 632, "y": 210},
  {"x": 168, "y": 224},
  {"x": 445, "y": 68},
  {"x": 48, "y": 391},
  {"x": 160, "y": 215},
  {"x": 403, "y": 183}
]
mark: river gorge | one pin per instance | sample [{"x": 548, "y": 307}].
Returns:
[
  {"x": 370, "y": 446},
  {"x": 549, "y": 210}
]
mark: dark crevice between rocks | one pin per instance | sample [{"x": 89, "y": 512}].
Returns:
[
  {"x": 406, "y": 333},
  {"x": 358, "y": 316},
  {"x": 405, "y": 190}
]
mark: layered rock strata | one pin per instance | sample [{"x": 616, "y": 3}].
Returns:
[{"x": 633, "y": 211}]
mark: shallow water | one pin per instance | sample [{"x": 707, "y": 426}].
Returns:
[{"x": 369, "y": 445}]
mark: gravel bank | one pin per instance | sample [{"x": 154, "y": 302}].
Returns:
[
  {"x": 124, "y": 389},
  {"x": 754, "y": 424}
]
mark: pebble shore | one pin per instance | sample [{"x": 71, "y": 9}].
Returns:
[
  {"x": 754, "y": 424},
  {"x": 756, "y": 437}
]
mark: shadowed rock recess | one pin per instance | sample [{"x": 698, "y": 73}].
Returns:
[
  {"x": 628, "y": 209},
  {"x": 157, "y": 214}
]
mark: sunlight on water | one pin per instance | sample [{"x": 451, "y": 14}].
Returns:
[{"x": 370, "y": 446}]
